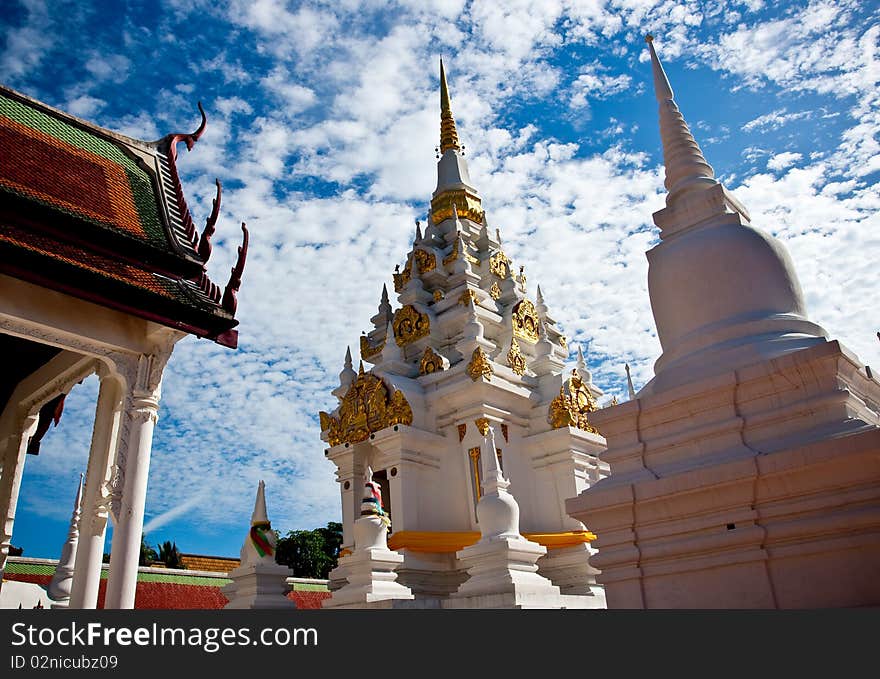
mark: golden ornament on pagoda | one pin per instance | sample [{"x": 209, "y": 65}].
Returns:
[
  {"x": 410, "y": 325},
  {"x": 467, "y": 296},
  {"x": 515, "y": 359},
  {"x": 495, "y": 291},
  {"x": 430, "y": 362},
  {"x": 401, "y": 278},
  {"x": 366, "y": 408},
  {"x": 524, "y": 318},
  {"x": 453, "y": 254},
  {"x": 571, "y": 407},
  {"x": 480, "y": 366},
  {"x": 467, "y": 205},
  {"x": 499, "y": 264},
  {"x": 425, "y": 260},
  {"x": 368, "y": 351},
  {"x": 438, "y": 295},
  {"x": 482, "y": 425}
]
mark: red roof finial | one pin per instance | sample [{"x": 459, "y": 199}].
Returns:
[
  {"x": 230, "y": 303},
  {"x": 210, "y": 224}
]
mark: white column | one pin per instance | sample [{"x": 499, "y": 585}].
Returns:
[
  {"x": 143, "y": 379},
  {"x": 13, "y": 455},
  {"x": 96, "y": 497}
]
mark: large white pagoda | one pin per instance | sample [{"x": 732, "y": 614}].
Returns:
[
  {"x": 466, "y": 349},
  {"x": 746, "y": 473}
]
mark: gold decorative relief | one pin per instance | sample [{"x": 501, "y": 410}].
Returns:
[
  {"x": 425, "y": 260},
  {"x": 438, "y": 295},
  {"x": 466, "y": 204},
  {"x": 571, "y": 407},
  {"x": 430, "y": 362},
  {"x": 368, "y": 351},
  {"x": 504, "y": 432},
  {"x": 366, "y": 408},
  {"x": 495, "y": 291},
  {"x": 467, "y": 296},
  {"x": 453, "y": 254},
  {"x": 515, "y": 359},
  {"x": 462, "y": 430},
  {"x": 480, "y": 366},
  {"x": 401, "y": 278},
  {"x": 482, "y": 425},
  {"x": 525, "y": 321},
  {"x": 499, "y": 264},
  {"x": 409, "y": 325},
  {"x": 563, "y": 342}
]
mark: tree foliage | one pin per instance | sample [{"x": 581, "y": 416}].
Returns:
[
  {"x": 148, "y": 554},
  {"x": 169, "y": 554},
  {"x": 310, "y": 553}
]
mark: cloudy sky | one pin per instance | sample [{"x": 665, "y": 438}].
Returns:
[{"x": 322, "y": 123}]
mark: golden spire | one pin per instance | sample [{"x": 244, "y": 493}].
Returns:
[{"x": 448, "y": 133}]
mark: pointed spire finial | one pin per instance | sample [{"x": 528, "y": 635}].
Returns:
[
  {"x": 629, "y": 383},
  {"x": 259, "y": 515},
  {"x": 385, "y": 293},
  {"x": 361, "y": 367},
  {"x": 348, "y": 357},
  {"x": 686, "y": 168},
  {"x": 448, "y": 133}
]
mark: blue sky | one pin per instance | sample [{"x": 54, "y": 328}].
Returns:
[{"x": 322, "y": 123}]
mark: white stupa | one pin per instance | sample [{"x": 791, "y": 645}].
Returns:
[
  {"x": 62, "y": 579},
  {"x": 502, "y": 566},
  {"x": 746, "y": 473},
  {"x": 465, "y": 344},
  {"x": 369, "y": 570},
  {"x": 258, "y": 581}
]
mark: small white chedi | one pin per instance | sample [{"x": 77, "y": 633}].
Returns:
[
  {"x": 369, "y": 569},
  {"x": 62, "y": 579},
  {"x": 259, "y": 582},
  {"x": 502, "y": 566}
]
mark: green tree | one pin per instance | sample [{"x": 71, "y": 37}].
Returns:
[
  {"x": 310, "y": 553},
  {"x": 148, "y": 554},
  {"x": 169, "y": 554}
]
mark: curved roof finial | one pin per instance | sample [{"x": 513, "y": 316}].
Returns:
[{"x": 448, "y": 133}]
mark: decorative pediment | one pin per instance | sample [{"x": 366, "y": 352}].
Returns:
[
  {"x": 366, "y": 408},
  {"x": 480, "y": 365},
  {"x": 431, "y": 362},
  {"x": 426, "y": 261},
  {"x": 409, "y": 325},
  {"x": 574, "y": 403},
  {"x": 515, "y": 358},
  {"x": 401, "y": 278},
  {"x": 524, "y": 318},
  {"x": 499, "y": 264}
]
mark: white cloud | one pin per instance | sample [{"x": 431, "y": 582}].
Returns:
[
  {"x": 783, "y": 160},
  {"x": 768, "y": 122}
]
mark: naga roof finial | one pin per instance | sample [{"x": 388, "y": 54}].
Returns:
[
  {"x": 230, "y": 303},
  {"x": 210, "y": 225}
]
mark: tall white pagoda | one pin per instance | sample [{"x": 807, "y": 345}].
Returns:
[
  {"x": 465, "y": 348},
  {"x": 746, "y": 473}
]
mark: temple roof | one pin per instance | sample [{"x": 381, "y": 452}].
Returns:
[{"x": 102, "y": 217}]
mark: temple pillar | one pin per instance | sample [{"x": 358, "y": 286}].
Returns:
[
  {"x": 96, "y": 496},
  {"x": 129, "y": 495},
  {"x": 13, "y": 452}
]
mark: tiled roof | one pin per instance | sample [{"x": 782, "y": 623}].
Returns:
[
  {"x": 81, "y": 206},
  {"x": 220, "y": 564}
]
